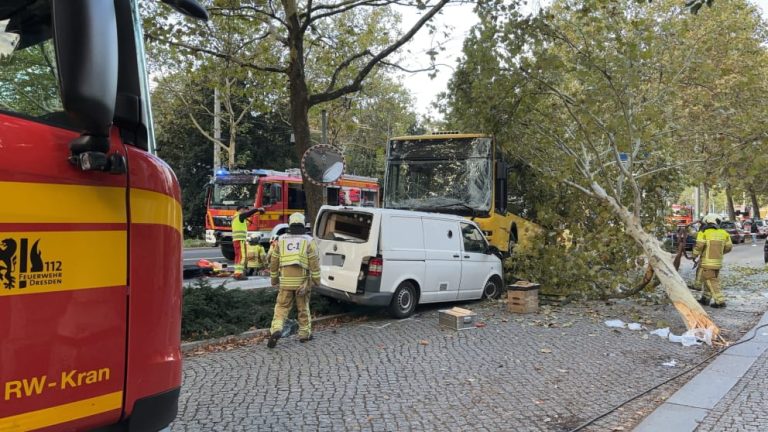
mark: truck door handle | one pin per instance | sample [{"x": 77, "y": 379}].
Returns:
[
  {"x": 466, "y": 256},
  {"x": 455, "y": 256}
]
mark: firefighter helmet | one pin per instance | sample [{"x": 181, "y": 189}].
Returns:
[
  {"x": 296, "y": 219},
  {"x": 711, "y": 219}
]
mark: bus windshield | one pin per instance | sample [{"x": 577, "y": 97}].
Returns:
[{"x": 440, "y": 175}]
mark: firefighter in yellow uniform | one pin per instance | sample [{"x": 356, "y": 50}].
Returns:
[
  {"x": 256, "y": 258},
  {"x": 239, "y": 237},
  {"x": 711, "y": 244},
  {"x": 295, "y": 268}
]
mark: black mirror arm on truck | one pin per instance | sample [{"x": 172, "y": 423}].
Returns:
[{"x": 85, "y": 41}]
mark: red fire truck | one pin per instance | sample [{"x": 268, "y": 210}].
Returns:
[
  {"x": 90, "y": 224},
  {"x": 280, "y": 193},
  {"x": 681, "y": 215}
]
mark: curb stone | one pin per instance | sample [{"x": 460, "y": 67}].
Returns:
[{"x": 188, "y": 347}]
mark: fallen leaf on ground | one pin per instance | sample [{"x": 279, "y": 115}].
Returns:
[
  {"x": 423, "y": 342},
  {"x": 546, "y": 350}
]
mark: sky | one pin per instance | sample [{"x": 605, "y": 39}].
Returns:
[{"x": 460, "y": 18}]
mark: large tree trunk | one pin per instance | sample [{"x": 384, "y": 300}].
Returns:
[
  {"x": 729, "y": 202},
  {"x": 755, "y": 205},
  {"x": 299, "y": 101},
  {"x": 691, "y": 311}
]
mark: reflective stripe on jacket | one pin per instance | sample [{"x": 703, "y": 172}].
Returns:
[
  {"x": 711, "y": 245},
  {"x": 239, "y": 229},
  {"x": 294, "y": 260}
]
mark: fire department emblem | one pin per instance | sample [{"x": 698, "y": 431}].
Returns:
[{"x": 22, "y": 265}]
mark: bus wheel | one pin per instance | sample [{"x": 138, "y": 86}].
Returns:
[{"x": 404, "y": 301}]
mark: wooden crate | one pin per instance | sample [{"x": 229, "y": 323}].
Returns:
[
  {"x": 457, "y": 318},
  {"x": 523, "y": 297}
]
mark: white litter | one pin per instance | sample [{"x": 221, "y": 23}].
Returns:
[
  {"x": 701, "y": 335},
  {"x": 615, "y": 323},
  {"x": 671, "y": 363},
  {"x": 690, "y": 338},
  {"x": 634, "y": 326}
]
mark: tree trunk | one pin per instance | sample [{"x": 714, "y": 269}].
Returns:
[
  {"x": 691, "y": 311},
  {"x": 232, "y": 149},
  {"x": 755, "y": 205},
  {"x": 729, "y": 202},
  {"x": 299, "y": 101},
  {"x": 705, "y": 205}
]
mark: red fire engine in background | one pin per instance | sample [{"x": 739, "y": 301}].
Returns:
[
  {"x": 681, "y": 215},
  {"x": 90, "y": 224},
  {"x": 280, "y": 193}
]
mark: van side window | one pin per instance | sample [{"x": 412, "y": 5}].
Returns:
[{"x": 474, "y": 241}]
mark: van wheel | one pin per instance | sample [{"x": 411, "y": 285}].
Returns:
[
  {"x": 404, "y": 301},
  {"x": 492, "y": 289}
]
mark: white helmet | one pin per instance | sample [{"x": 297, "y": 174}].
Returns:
[
  {"x": 296, "y": 219},
  {"x": 711, "y": 219}
]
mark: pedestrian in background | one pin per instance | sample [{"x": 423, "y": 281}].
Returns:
[
  {"x": 239, "y": 236},
  {"x": 753, "y": 231},
  {"x": 712, "y": 243},
  {"x": 294, "y": 268}
]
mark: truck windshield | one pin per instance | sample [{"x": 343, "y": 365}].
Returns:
[
  {"x": 453, "y": 175},
  {"x": 28, "y": 75},
  {"x": 232, "y": 195}
]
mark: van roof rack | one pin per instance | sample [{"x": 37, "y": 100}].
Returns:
[{"x": 446, "y": 133}]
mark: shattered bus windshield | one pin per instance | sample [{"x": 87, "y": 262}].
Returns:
[{"x": 454, "y": 175}]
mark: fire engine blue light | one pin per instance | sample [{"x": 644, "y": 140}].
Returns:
[{"x": 221, "y": 172}]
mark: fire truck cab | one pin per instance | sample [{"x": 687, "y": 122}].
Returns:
[
  {"x": 280, "y": 193},
  {"x": 90, "y": 224}
]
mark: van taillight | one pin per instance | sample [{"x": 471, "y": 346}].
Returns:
[{"x": 375, "y": 266}]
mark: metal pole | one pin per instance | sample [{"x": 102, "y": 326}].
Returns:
[{"x": 216, "y": 130}]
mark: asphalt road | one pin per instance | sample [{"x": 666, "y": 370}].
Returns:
[{"x": 191, "y": 255}]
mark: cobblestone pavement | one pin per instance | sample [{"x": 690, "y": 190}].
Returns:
[
  {"x": 745, "y": 407},
  {"x": 549, "y": 371}
]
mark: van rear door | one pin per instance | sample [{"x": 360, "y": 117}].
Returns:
[{"x": 346, "y": 240}]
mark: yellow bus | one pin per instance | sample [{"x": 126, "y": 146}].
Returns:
[{"x": 463, "y": 174}]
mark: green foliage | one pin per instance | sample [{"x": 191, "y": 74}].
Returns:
[
  {"x": 29, "y": 84},
  {"x": 210, "y": 312}
]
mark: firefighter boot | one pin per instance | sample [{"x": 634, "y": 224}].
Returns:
[
  {"x": 273, "y": 339},
  {"x": 306, "y": 338},
  {"x": 704, "y": 301},
  {"x": 718, "y": 304}
]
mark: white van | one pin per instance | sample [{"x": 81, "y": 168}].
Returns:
[{"x": 398, "y": 258}]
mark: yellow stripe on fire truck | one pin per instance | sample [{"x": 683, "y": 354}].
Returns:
[
  {"x": 22, "y": 203},
  {"x": 62, "y": 413},
  {"x": 155, "y": 208}
]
